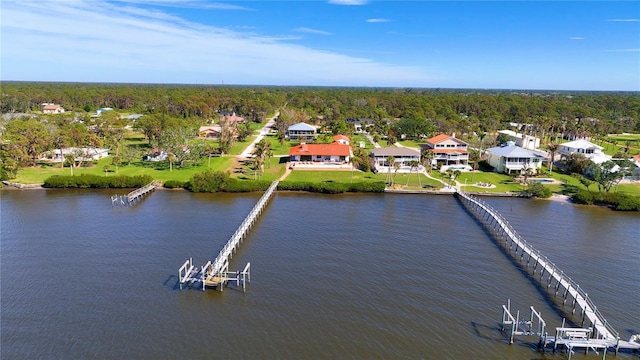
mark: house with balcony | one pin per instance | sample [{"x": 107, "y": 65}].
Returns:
[
  {"x": 402, "y": 157},
  {"x": 301, "y": 131},
  {"x": 447, "y": 151},
  {"x": 512, "y": 159},
  {"x": 586, "y": 148}
]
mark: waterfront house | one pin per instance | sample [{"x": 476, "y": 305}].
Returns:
[
  {"x": 301, "y": 131},
  {"x": 334, "y": 153},
  {"x": 50, "y": 108},
  {"x": 586, "y": 148},
  {"x": 512, "y": 159},
  {"x": 521, "y": 140},
  {"x": 402, "y": 157},
  {"x": 341, "y": 139},
  {"x": 211, "y": 131},
  {"x": 81, "y": 154},
  {"x": 447, "y": 151}
]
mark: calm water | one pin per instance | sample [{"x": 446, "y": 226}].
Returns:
[{"x": 358, "y": 276}]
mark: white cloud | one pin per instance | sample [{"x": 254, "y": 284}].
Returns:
[
  {"x": 313, "y": 31},
  {"x": 623, "y": 50},
  {"x": 348, "y": 2},
  {"x": 624, "y": 20},
  {"x": 101, "y": 41},
  {"x": 576, "y": 38},
  {"x": 377, "y": 20},
  {"x": 191, "y": 4}
]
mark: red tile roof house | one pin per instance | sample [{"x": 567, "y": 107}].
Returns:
[
  {"x": 447, "y": 151},
  {"x": 320, "y": 154},
  {"x": 341, "y": 139}
]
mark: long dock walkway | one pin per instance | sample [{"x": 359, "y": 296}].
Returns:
[
  {"x": 545, "y": 271},
  {"x": 134, "y": 195},
  {"x": 216, "y": 273}
]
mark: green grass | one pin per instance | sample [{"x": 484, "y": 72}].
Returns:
[
  {"x": 503, "y": 183},
  {"x": 410, "y": 143},
  {"x": 157, "y": 170}
]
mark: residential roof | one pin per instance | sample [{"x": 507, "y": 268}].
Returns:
[
  {"x": 333, "y": 149},
  {"x": 51, "y": 107},
  {"x": 340, "y": 137},
  {"x": 302, "y": 127},
  {"x": 581, "y": 144},
  {"x": 513, "y": 151},
  {"x": 394, "y": 151},
  {"x": 438, "y": 138},
  {"x": 232, "y": 118},
  {"x": 210, "y": 128}
]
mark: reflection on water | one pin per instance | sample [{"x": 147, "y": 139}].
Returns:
[{"x": 354, "y": 276}]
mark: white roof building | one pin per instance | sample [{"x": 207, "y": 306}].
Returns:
[{"x": 584, "y": 147}]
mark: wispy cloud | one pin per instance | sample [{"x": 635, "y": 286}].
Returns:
[
  {"x": 624, "y": 20},
  {"x": 576, "y": 38},
  {"x": 623, "y": 50},
  {"x": 312, "y": 31},
  {"x": 377, "y": 20},
  {"x": 124, "y": 43},
  {"x": 189, "y": 4},
  {"x": 348, "y": 2}
]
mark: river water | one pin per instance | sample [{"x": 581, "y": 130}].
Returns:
[{"x": 350, "y": 276}]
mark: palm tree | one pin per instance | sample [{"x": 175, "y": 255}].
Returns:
[
  {"x": 171, "y": 157},
  {"x": 414, "y": 164},
  {"x": 427, "y": 158},
  {"x": 390, "y": 162},
  {"x": 553, "y": 148},
  {"x": 70, "y": 157}
]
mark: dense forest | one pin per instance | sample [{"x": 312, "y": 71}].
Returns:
[{"x": 173, "y": 112}]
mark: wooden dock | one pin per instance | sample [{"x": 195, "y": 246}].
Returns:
[
  {"x": 547, "y": 274},
  {"x": 135, "y": 195},
  {"x": 216, "y": 273}
]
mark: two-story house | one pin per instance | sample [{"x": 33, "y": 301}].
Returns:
[
  {"x": 301, "y": 131},
  {"x": 512, "y": 159},
  {"x": 447, "y": 151}
]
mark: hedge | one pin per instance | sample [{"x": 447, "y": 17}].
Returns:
[
  {"x": 84, "y": 181},
  {"x": 332, "y": 188},
  {"x": 617, "y": 201}
]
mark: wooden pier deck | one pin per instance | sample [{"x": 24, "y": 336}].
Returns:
[
  {"x": 216, "y": 273},
  {"x": 134, "y": 195},
  {"x": 545, "y": 271}
]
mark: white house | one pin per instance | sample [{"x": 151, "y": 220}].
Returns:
[
  {"x": 584, "y": 147},
  {"x": 522, "y": 140},
  {"x": 402, "y": 157},
  {"x": 301, "y": 131},
  {"x": 83, "y": 154},
  {"x": 512, "y": 159}
]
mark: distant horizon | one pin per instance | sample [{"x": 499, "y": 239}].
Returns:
[{"x": 514, "y": 90}]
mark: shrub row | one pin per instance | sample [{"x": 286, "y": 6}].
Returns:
[
  {"x": 535, "y": 189},
  {"x": 213, "y": 181},
  {"x": 95, "y": 181},
  {"x": 172, "y": 184},
  {"x": 332, "y": 188},
  {"x": 617, "y": 201}
]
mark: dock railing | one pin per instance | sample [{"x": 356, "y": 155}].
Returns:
[{"x": 606, "y": 331}]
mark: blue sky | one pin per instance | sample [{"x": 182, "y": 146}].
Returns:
[{"x": 561, "y": 45}]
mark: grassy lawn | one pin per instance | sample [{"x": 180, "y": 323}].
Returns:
[
  {"x": 357, "y": 138},
  {"x": 157, "y": 170},
  {"x": 410, "y": 143},
  {"x": 274, "y": 170},
  {"x": 503, "y": 183}
]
